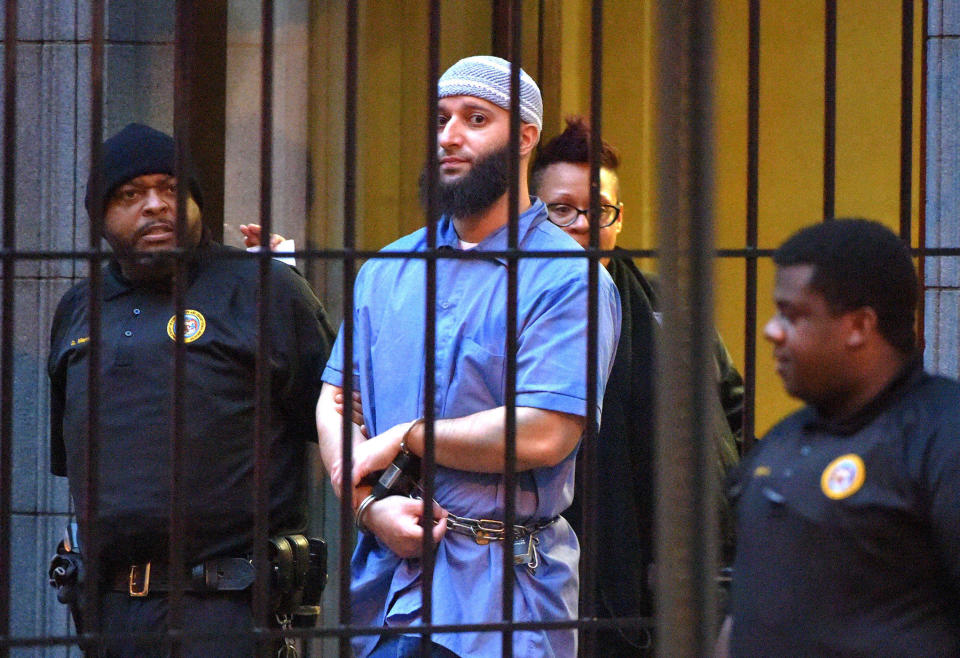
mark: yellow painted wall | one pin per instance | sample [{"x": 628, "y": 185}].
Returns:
[{"x": 392, "y": 122}]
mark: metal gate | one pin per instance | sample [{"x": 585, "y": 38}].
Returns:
[{"x": 685, "y": 57}]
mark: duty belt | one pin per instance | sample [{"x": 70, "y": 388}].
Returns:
[
  {"x": 484, "y": 531},
  {"x": 225, "y": 574}
]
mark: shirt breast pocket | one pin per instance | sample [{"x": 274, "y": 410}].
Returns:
[{"x": 478, "y": 381}]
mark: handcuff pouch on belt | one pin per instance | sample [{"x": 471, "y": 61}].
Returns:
[{"x": 298, "y": 567}]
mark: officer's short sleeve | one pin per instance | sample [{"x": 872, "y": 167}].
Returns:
[
  {"x": 302, "y": 333},
  {"x": 552, "y": 346}
]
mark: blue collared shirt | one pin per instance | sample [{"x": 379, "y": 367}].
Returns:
[{"x": 471, "y": 314}]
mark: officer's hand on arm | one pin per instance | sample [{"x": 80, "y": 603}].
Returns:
[
  {"x": 330, "y": 432},
  {"x": 252, "y": 235},
  {"x": 395, "y": 520},
  {"x": 356, "y": 410}
]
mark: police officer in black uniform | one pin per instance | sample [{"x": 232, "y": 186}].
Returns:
[
  {"x": 217, "y": 391},
  {"x": 849, "y": 510}
]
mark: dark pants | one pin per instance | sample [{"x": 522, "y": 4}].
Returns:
[
  {"x": 407, "y": 646},
  {"x": 218, "y": 613}
]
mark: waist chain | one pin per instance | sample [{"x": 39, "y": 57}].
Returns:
[{"x": 484, "y": 531}]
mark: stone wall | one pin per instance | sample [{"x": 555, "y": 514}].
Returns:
[
  {"x": 53, "y": 132},
  {"x": 942, "y": 274}
]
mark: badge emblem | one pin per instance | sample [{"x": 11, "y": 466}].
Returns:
[
  {"x": 193, "y": 326},
  {"x": 843, "y": 477}
]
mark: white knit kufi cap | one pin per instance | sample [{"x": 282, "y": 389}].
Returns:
[{"x": 488, "y": 77}]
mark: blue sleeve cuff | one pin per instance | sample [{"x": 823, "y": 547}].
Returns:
[
  {"x": 552, "y": 401},
  {"x": 332, "y": 376}
]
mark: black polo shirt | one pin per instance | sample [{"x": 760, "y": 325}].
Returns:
[
  {"x": 217, "y": 392},
  {"x": 849, "y": 533}
]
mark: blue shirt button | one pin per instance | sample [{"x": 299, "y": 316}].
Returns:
[
  {"x": 128, "y": 333},
  {"x": 136, "y": 311}
]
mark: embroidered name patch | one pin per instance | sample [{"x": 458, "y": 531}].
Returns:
[
  {"x": 843, "y": 477},
  {"x": 193, "y": 325}
]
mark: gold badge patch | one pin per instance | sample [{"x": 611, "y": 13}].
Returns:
[
  {"x": 193, "y": 325},
  {"x": 843, "y": 477}
]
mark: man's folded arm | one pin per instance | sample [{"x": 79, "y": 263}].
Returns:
[{"x": 478, "y": 442}]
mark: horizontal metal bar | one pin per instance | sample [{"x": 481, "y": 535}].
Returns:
[
  {"x": 331, "y": 631},
  {"x": 450, "y": 254}
]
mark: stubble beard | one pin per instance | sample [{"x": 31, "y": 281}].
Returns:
[{"x": 478, "y": 189}]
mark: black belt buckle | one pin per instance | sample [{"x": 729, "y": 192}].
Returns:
[{"x": 137, "y": 586}]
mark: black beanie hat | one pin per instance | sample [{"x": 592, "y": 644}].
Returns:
[{"x": 136, "y": 150}]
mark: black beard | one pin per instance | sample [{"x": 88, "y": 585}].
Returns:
[{"x": 479, "y": 188}]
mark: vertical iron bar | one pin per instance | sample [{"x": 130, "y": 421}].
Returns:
[
  {"x": 906, "y": 118},
  {"x": 590, "y": 468},
  {"x": 541, "y": 10},
  {"x": 510, "y": 436},
  {"x": 90, "y": 527},
  {"x": 261, "y": 470},
  {"x": 181, "y": 132},
  {"x": 829, "y": 108},
  {"x": 753, "y": 195},
  {"x": 430, "y": 329},
  {"x": 349, "y": 271},
  {"x": 922, "y": 178},
  {"x": 686, "y": 541},
  {"x": 9, "y": 271},
  {"x": 705, "y": 529}
]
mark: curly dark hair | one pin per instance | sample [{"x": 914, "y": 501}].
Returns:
[
  {"x": 572, "y": 145},
  {"x": 857, "y": 263}
]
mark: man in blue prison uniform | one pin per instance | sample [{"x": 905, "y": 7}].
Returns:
[{"x": 471, "y": 312}]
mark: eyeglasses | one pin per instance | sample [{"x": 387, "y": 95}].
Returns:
[{"x": 563, "y": 214}]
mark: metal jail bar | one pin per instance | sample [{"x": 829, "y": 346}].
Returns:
[
  {"x": 90, "y": 529},
  {"x": 684, "y": 27},
  {"x": 6, "y": 349},
  {"x": 685, "y": 541}
]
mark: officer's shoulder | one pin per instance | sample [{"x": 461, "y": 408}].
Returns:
[
  {"x": 74, "y": 298},
  {"x": 788, "y": 424},
  {"x": 939, "y": 386},
  {"x": 937, "y": 398},
  {"x": 240, "y": 264}
]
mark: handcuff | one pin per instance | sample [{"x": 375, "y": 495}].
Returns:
[{"x": 401, "y": 477}]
